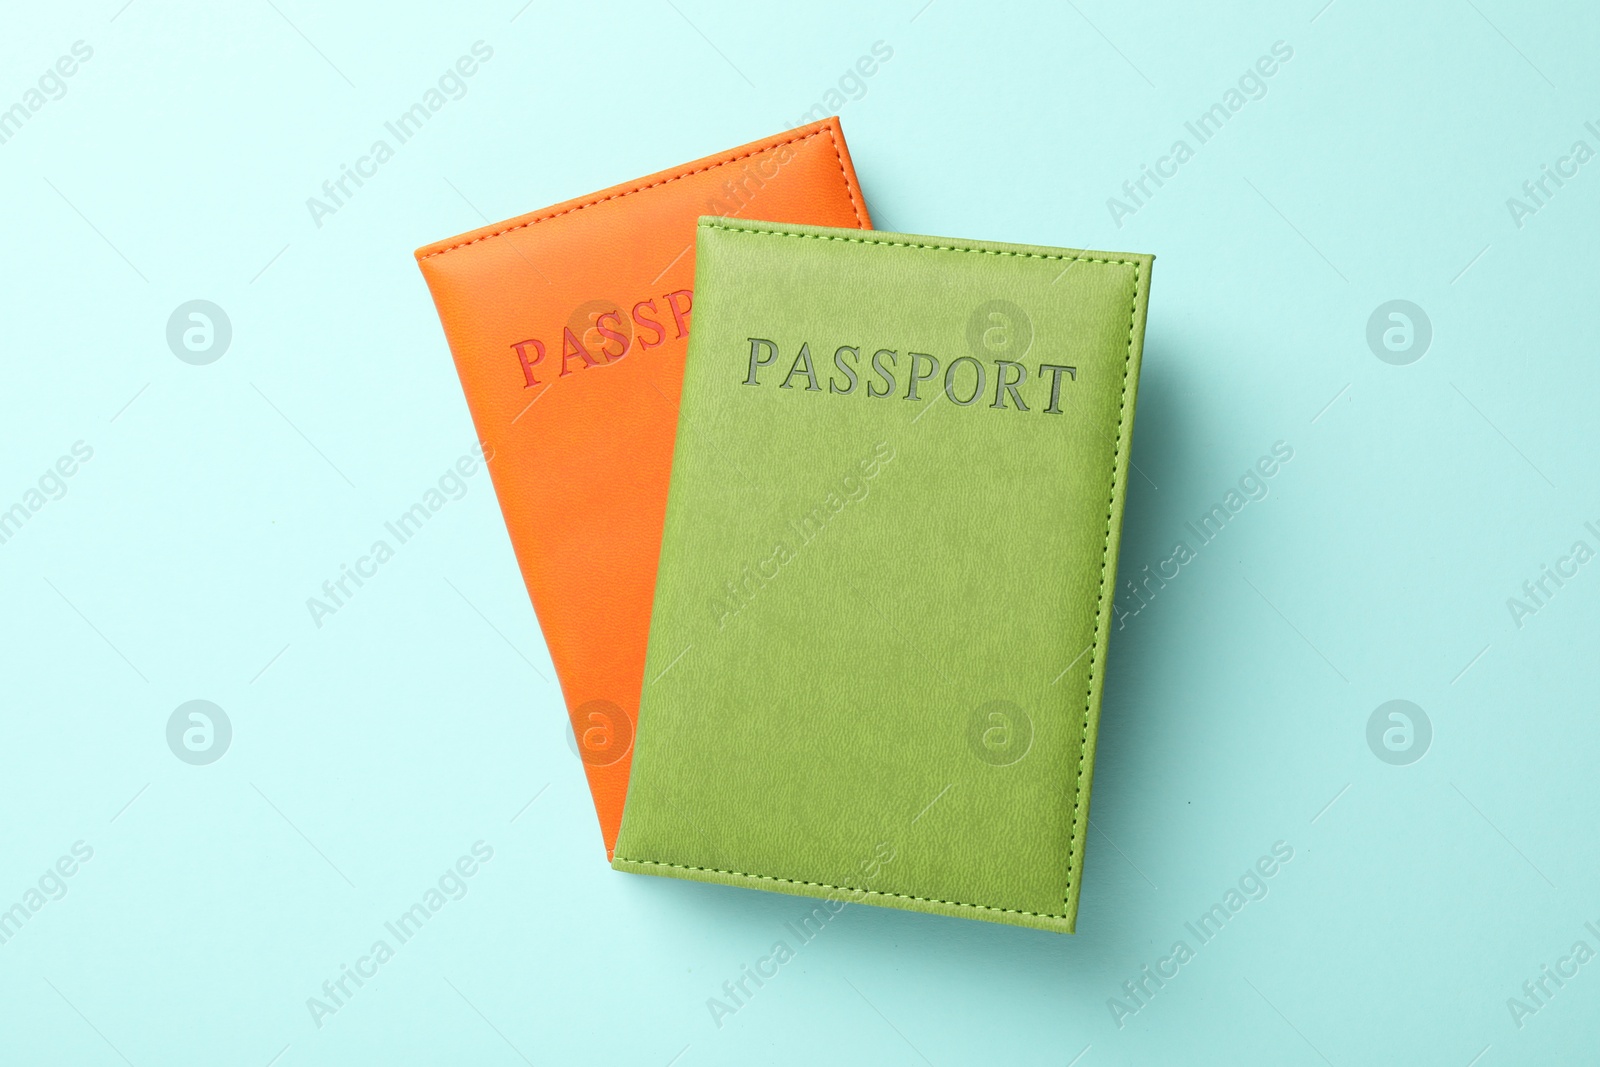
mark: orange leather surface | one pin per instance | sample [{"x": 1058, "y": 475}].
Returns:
[{"x": 569, "y": 328}]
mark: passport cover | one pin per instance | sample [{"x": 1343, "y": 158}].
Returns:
[
  {"x": 885, "y": 584},
  {"x": 568, "y": 329}
]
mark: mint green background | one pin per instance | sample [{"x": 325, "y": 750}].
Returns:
[{"x": 406, "y": 728}]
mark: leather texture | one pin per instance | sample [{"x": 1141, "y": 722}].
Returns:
[
  {"x": 568, "y": 327},
  {"x": 884, "y": 597}
]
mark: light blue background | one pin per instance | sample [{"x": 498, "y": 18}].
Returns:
[{"x": 370, "y": 753}]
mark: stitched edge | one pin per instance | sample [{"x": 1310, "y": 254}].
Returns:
[
  {"x": 1100, "y": 598},
  {"x": 847, "y": 889},
  {"x": 1105, "y": 553},
  {"x": 849, "y": 187},
  {"x": 839, "y": 156},
  {"x": 938, "y": 248}
]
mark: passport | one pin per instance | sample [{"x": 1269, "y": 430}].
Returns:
[
  {"x": 568, "y": 327},
  {"x": 884, "y": 591}
]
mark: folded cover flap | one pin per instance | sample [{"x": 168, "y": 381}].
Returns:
[
  {"x": 885, "y": 586},
  {"x": 568, "y": 327}
]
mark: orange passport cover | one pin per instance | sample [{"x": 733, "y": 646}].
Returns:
[{"x": 569, "y": 328}]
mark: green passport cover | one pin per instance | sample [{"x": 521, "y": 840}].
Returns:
[{"x": 880, "y": 621}]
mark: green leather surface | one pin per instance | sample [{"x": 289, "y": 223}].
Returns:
[{"x": 880, "y": 622}]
